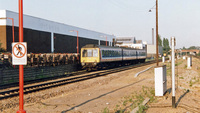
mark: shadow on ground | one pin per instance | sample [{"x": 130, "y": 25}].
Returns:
[{"x": 181, "y": 97}]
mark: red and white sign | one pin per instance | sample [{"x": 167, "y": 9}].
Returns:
[{"x": 19, "y": 53}]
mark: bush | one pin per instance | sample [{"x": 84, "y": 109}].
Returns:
[{"x": 2, "y": 50}]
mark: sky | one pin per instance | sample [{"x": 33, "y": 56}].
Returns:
[{"x": 123, "y": 18}]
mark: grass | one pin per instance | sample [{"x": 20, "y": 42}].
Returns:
[
  {"x": 193, "y": 81},
  {"x": 179, "y": 63},
  {"x": 185, "y": 66},
  {"x": 149, "y": 60},
  {"x": 181, "y": 77},
  {"x": 128, "y": 103},
  {"x": 142, "y": 108},
  {"x": 106, "y": 110}
]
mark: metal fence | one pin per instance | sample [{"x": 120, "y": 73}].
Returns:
[
  {"x": 11, "y": 75},
  {"x": 39, "y": 66}
]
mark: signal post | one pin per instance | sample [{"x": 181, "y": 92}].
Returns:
[{"x": 21, "y": 52}]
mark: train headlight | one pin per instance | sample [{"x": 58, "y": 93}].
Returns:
[{"x": 95, "y": 62}]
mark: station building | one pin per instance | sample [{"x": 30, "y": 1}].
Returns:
[
  {"x": 131, "y": 42},
  {"x": 151, "y": 51},
  {"x": 45, "y": 36},
  {"x": 188, "y": 51}
]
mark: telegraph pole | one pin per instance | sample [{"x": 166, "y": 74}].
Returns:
[{"x": 157, "y": 32}]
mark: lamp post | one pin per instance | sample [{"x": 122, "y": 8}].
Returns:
[
  {"x": 105, "y": 37},
  {"x": 152, "y": 36},
  {"x": 77, "y": 40},
  {"x": 156, "y": 32},
  {"x": 13, "y": 29}
]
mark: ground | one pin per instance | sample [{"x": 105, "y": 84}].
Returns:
[{"x": 116, "y": 92}]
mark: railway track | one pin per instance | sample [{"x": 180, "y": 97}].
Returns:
[{"x": 74, "y": 77}]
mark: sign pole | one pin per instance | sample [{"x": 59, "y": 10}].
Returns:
[{"x": 21, "y": 68}]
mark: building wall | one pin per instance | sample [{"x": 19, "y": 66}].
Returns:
[
  {"x": 68, "y": 44},
  {"x": 51, "y": 26},
  {"x": 3, "y": 37},
  {"x": 104, "y": 42},
  {"x": 151, "y": 50},
  {"x": 37, "y": 41},
  {"x": 39, "y": 34}
]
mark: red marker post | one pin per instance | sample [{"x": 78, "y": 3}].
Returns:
[
  {"x": 21, "y": 68},
  {"x": 77, "y": 48}
]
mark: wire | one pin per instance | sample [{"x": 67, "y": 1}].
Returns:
[
  {"x": 127, "y": 7},
  {"x": 152, "y": 7},
  {"x": 117, "y": 4}
]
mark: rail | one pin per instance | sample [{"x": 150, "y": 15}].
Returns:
[{"x": 74, "y": 77}]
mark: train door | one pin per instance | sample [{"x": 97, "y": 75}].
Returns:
[{"x": 137, "y": 55}]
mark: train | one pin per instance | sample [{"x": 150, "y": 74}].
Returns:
[{"x": 98, "y": 56}]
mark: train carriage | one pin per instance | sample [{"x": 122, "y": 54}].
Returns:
[
  {"x": 110, "y": 54},
  {"x": 95, "y": 56},
  {"x": 129, "y": 54}
]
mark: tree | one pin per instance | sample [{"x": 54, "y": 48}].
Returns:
[
  {"x": 134, "y": 40},
  {"x": 2, "y": 49},
  {"x": 192, "y": 47},
  {"x": 166, "y": 46},
  {"x": 164, "y": 43},
  {"x": 159, "y": 41}
]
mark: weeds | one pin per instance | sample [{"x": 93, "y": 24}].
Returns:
[
  {"x": 193, "y": 81},
  {"x": 142, "y": 108},
  {"x": 185, "y": 66},
  {"x": 168, "y": 72},
  {"x": 106, "y": 110},
  {"x": 181, "y": 77},
  {"x": 179, "y": 63},
  {"x": 128, "y": 103}
]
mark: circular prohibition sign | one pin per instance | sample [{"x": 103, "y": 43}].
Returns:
[{"x": 19, "y": 49}]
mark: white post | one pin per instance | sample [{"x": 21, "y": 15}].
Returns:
[
  {"x": 170, "y": 58},
  {"x": 52, "y": 42},
  {"x": 163, "y": 59},
  {"x": 189, "y": 62},
  {"x": 173, "y": 72},
  {"x": 160, "y": 80}
]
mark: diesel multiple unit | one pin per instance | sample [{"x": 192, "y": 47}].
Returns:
[{"x": 96, "y": 56}]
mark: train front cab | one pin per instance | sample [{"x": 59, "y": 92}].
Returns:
[{"x": 89, "y": 57}]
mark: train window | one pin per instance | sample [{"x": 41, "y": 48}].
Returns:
[
  {"x": 110, "y": 53},
  {"x": 107, "y": 53},
  {"x": 89, "y": 53},
  {"x": 95, "y": 53},
  {"x": 103, "y": 53},
  {"x": 84, "y": 53}
]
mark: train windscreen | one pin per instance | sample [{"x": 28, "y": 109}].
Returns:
[{"x": 90, "y": 53}]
